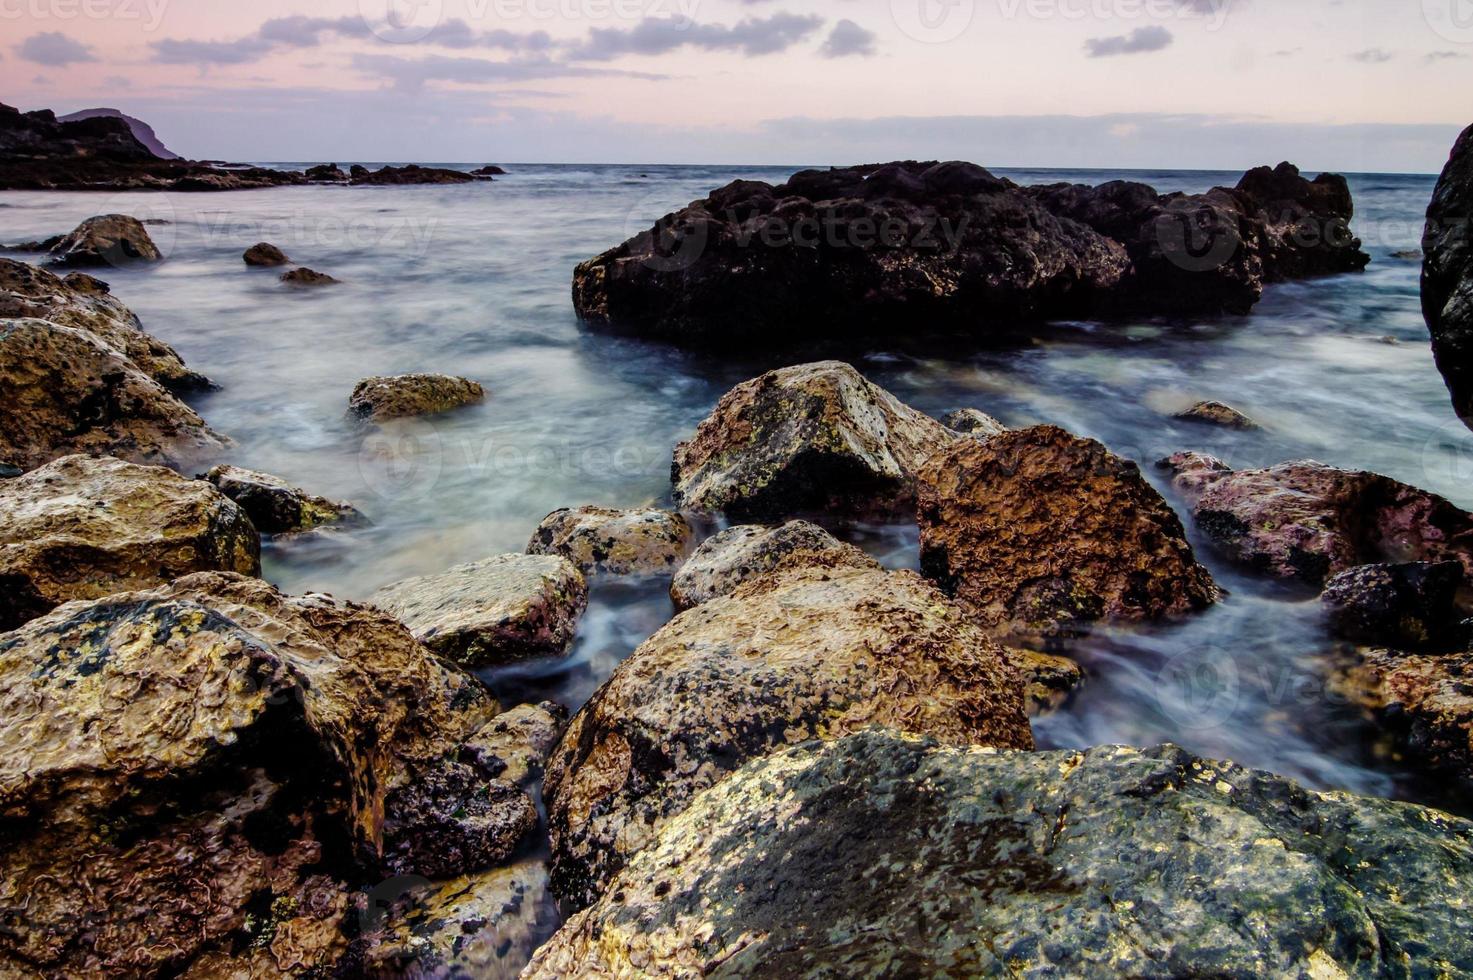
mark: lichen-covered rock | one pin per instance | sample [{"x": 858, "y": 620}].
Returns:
[
  {"x": 63, "y": 390},
  {"x": 973, "y": 422},
  {"x": 264, "y": 254},
  {"x": 1447, "y": 275},
  {"x": 809, "y": 438},
  {"x": 107, "y": 239},
  {"x": 496, "y": 611},
  {"x": 808, "y": 653},
  {"x": 84, "y": 527},
  {"x": 81, "y": 301},
  {"x": 404, "y": 395},
  {"x": 198, "y": 773},
  {"x": 1216, "y": 413},
  {"x": 1040, "y": 533},
  {"x": 307, "y": 277},
  {"x": 1309, "y": 521},
  {"x": 728, "y": 558},
  {"x": 616, "y": 542},
  {"x": 1424, "y": 699},
  {"x": 275, "y": 506},
  {"x": 1409, "y": 605},
  {"x": 880, "y": 855},
  {"x": 1048, "y": 680}
]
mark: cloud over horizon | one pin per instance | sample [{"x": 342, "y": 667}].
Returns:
[
  {"x": 54, "y": 50},
  {"x": 1139, "y": 41},
  {"x": 848, "y": 39}
]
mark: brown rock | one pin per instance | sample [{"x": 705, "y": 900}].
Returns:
[
  {"x": 275, "y": 506},
  {"x": 1040, "y": 533},
  {"x": 382, "y": 398},
  {"x": 82, "y": 528},
  {"x": 264, "y": 254},
  {"x": 63, "y": 390},
  {"x": 1048, "y": 680},
  {"x": 973, "y": 422},
  {"x": 809, "y": 438},
  {"x": 1216, "y": 413},
  {"x": 730, "y": 557},
  {"x": 107, "y": 239},
  {"x": 812, "y": 653},
  {"x": 1424, "y": 700},
  {"x": 616, "y": 542},
  {"x": 496, "y": 611},
  {"x": 306, "y": 277}
]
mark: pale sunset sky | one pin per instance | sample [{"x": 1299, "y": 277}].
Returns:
[{"x": 1352, "y": 85}]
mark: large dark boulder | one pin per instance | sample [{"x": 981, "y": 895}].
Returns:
[
  {"x": 883, "y": 856},
  {"x": 1447, "y": 275}
]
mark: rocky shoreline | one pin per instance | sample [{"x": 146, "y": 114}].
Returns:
[{"x": 818, "y": 764}]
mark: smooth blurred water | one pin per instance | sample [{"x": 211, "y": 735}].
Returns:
[{"x": 474, "y": 280}]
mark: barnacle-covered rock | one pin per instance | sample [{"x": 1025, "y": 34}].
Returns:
[
  {"x": 64, "y": 390},
  {"x": 495, "y": 611},
  {"x": 84, "y": 527},
  {"x": 1040, "y": 533},
  {"x": 728, "y": 558},
  {"x": 275, "y": 506},
  {"x": 808, "y": 653},
  {"x": 617, "y": 542},
  {"x": 881, "y": 855},
  {"x": 809, "y": 438}
]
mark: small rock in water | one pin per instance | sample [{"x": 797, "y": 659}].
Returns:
[
  {"x": 973, "y": 422},
  {"x": 1216, "y": 413},
  {"x": 401, "y": 396},
  {"x": 307, "y": 277},
  {"x": 492, "y": 612},
  {"x": 1408, "y": 254},
  {"x": 615, "y": 542},
  {"x": 490, "y": 170},
  {"x": 275, "y": 506},
  {"x": 730, "y": 557},
  {"x": 107, "y": 239},
  {"x": 1409, "y": 605},
  {"x": 264, "y": 254}
]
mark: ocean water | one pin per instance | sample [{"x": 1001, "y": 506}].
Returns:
[{"x": 474, "y": 280}]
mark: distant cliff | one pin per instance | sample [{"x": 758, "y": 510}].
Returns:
[{"x": 142, "y": 131}]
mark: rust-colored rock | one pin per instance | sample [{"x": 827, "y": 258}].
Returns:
[
  {"x": 1040, "y": 533},
  {"x": 83, "y": 527},
  {"x": 63, "y": 390},
  {"x": 811, "y": 653},
  {"x": 810, "y": 438},
  {"x": 1424, "y": 699},
  {"x": 730, "y": 557},
  {"x": 405, "y": 395},
  {"x": 644, "y": 541}
]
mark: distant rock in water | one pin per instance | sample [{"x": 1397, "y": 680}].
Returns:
[
  {"x": 328, "y": 173},
  {"x": 490, "y": 170},
  {"x": 412, "y": 174},
  {"x": 1447, "y": 275},
  {"x": 107, "y": 239},
  {"x": 307, "y": 277},
  {"x": 264, "y": 254},
  {"x": 1216, "y": 413},
  {"x": 141, "y": 130},
  {"x": 401, "y": 396},
  {"x": 909, "y": 247}
]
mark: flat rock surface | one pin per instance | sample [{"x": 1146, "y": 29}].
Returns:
[
  {"x": 880, "y": 855},
  {"x": 496, "y": 611},
  {"x": 642, "y": 541},
  {"x": 81, "y": 528},
  {"x": 728, "y": 558},
  {"x": 809, "y": 653}
]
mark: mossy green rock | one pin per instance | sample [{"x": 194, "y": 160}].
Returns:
[{"x": 882, "y": 855}]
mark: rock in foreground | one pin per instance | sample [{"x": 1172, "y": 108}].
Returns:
[
  {"x": 401, "y": 396},
  {"x": 616, "y": 542},
  {"x": 1040, "y": 533},
  {"x": 884, "y": 856},
  {"x": 275, "y": 506},
  {"x": 108, "y": 239},
  {"x": 810, "y": 438},
  {"x": 81, "y": 528},
  {"x": 492, "y": 612},
  {"x": 1309, "y": 521},
  {"x": 1447, "y": 275},
  {"x": 813, "y": 653},
  {"x": 1425, "y": 700},
  {"x": 728, "y": 558}
]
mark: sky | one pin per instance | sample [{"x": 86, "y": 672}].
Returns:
[{"x": 1351, "y": 85}]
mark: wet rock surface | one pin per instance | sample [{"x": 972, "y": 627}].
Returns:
[
  {"x": 728, "y": 558},
  {"x": 64, "y": 390},
  {"x": 1447, "y": 275},
  {"x": 275, "y": 506},
  {"x": 307, "y": 277},
  {"x": 1048, "y": 680},
  {"x": 81, "y": 528},
  {"x": 264, "y": 254},
  {"x": 197, "y": 777},
  {"x": 496, "y": 611},
  {"x": 809, "y": 653},
  {"x": 604, "y": 540},
  {"x": 973, "y": 422},
  {"x": 1425, "y": 700},
  {"x": 810, "y": 438},
  {"x": 1040, "y": 533},
  {"x": 84, "y": 302},
  {"x": 1410, "y": 605},
  {"x": 879, "y": 855},
  {"x": 106, "y": 240},
  {"x": 379, "y": 399},
  {"x": 411, "y": 174},
  {"x": 1306, "y": 520},
  {"x": 1216, "y": 413},
  {"x": 328, "y": 173},
  {"x": 907, "y": 247}
]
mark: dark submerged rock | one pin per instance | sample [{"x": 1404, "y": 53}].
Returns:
[
  {"x": 307, "y": 277},
  {"x": 411, "y": 174},
  {"x": 879, "y": 855},
  {"x": 490, "y": 170},
  {"x": 1409, "y": 605},
  {"x": 1447, "y": 275},
  {"x": 327, "y": 173}
]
